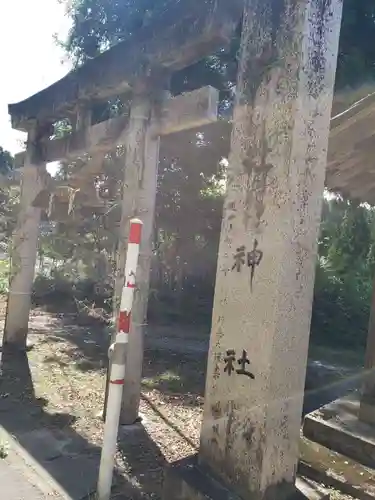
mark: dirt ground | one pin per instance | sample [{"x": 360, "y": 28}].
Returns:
[
  {"x": 67, "y": 364},
  {"x": 67, "y": 377}
]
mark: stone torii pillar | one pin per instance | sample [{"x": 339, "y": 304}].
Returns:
[
  {"x": 150, "y": 119},
  {"x": 139, "y": 196},
  {"x": 23, "y": 252},
  {"x": 267, "y": 255}
]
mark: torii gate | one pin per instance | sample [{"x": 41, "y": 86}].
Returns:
[
  {"x": 267, "y": 253},
  {"x": 140, "y": 68}
]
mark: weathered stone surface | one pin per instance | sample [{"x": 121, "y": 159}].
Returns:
[
  {"x": 337, "y": 427},
  {"x": 102, "y": 137},
  {"x": 186, "y": 480},
  {"x": 335, "y": 470},
  {"x": 24, "y": 250},
  {"x": 186, "y": 32},
  {"x": 267, "y": 254},
  {"x": 140, "y": 183},
  {"x": 188, "y": 110},
  {"x": 139, "y": 197}
]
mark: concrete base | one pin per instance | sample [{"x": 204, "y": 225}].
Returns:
[
  {"x": 186, "y": 480},
  {"x": 64, "y": 470},
  {"x": 367, "y": 412},
  {"x": 336, "y": 426}
]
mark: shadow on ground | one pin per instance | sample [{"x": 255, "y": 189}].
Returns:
[
  {"x": 167, "y": 368},
  {"x": 175, "y": 363},
  {"x": 69, "y": 459}
]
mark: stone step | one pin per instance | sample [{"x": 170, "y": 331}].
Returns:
[
  {"x": 311, "y": 490},
  {"x": 336, "y": 426},
  {"x": 186, "y": 479},
  {"x": 334, "y": 470}
]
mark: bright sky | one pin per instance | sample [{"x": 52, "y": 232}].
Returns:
[{"x": 29, "y": 57}]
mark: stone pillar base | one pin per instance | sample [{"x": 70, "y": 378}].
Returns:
[
  {"x": 187, "y": 480},
  {"x": 367, "y": 412},
  {"x": 337, "y": 427}
]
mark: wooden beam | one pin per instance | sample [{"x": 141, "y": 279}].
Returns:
[
  {"x": 181, "y": 35},
  {"x": 186, "y": 111},
  {"x": 24, "y": 248}
]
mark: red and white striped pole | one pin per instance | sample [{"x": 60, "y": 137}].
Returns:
[{"x": 117, "y": 370}]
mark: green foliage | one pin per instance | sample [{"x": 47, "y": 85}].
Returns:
[
  {"x": 351, "y": 240},
  {"x": 344, "y": 275},
  {"x": 9, "y": 193},
  {"x": 70, "y": 292},
  {"x": 99, "y": 24},
  {"x": 6, "y": 162},
  {"x": 357, "y": 52},
  {"x": 186, "y": 255},
  {"x": 341, "y": 309}
]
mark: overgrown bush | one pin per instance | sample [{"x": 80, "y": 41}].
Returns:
[
  {"x": 192, "y": 304},
  {"x": 58, "y": 290},
  {"x": 341, "y": 309}
]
